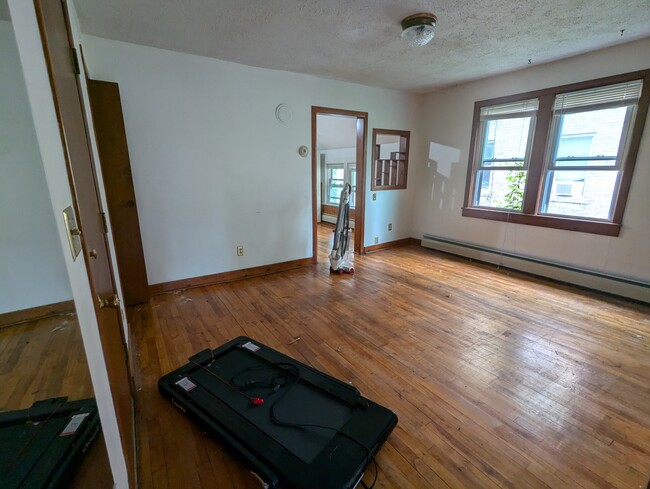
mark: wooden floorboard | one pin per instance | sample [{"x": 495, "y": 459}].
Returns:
[
  {"x": 44, "y": 358},
  {"x": 499, "y": 379}
]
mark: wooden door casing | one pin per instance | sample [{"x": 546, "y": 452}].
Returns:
[{"x": 56, "y": 39}]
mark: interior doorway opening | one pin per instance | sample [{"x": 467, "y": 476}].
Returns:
[{"x": 338, "y": 157}]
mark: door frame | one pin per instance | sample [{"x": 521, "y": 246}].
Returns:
[
  {"x": 53, "y": 154},
  {"x": 360, "y": 204},
  {"x": 125, "y": 422}
]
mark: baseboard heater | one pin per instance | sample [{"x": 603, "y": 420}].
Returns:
[{"x": 593, "y": 279}]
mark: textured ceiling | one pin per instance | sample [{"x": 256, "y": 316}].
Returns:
[{"x": 359, "y": 40}]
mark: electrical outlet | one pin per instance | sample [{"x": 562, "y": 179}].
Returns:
[
  {"x": 376, "y": 239},
  {"x": 390, "y": 226},
  {"x": 374, "y": 196},
  {"x": 240, "y": 250}
]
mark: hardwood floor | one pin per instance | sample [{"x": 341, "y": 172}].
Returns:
[
  {"x": 45, "y": 358},
  {"x": 42, "y": 359},
  {"x": 499, "y": 380}
]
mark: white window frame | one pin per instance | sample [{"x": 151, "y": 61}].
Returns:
[
  {"x": 347, "y": 178},
  {"x": 551, "y": 160}
]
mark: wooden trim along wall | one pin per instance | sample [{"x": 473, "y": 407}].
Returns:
[
  {"x": 33, "y": 313},
  {"x": 223, "y": 277},
  {"x": 393, "y": 244}
]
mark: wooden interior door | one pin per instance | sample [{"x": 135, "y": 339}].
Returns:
[
  {"x": 63, "y": 72},
  {"x": 108, "y": 121}
]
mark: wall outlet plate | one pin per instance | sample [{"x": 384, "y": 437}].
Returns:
[
  {"x": 240, "y": 250},
  {"x": 390, "y": 226},
  {"x": 376, "y": 239},
  {"x": 374, "y": 196}
]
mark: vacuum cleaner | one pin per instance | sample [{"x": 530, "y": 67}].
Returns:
[{"x": 339, "y": 256}]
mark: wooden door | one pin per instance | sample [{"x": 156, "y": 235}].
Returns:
[
  {"x": 63, "y": 72},
  {"x": 120, "y": 195}
]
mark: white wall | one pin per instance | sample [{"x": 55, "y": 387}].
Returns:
[
  {"x": 441, "y": 180},
  {"x": 213, "y": 169},
  {"x": 52, "y": 154},
  {"x": 32, "y": 270}
]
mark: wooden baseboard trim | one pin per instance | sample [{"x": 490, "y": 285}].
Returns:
[
  {"x": 33, "y": 313},
  {"x": 392, "y": 244},
  {"x": 220, "y": 278}
]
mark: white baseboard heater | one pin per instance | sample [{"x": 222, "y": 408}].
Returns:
[{"x": 584, "y": 277}]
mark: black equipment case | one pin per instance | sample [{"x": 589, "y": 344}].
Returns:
[
  {"x": 338, "y": 428},
  {"x": 40, "y": 447}
]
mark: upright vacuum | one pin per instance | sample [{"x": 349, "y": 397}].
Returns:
[{"x": 339, "y": 256}]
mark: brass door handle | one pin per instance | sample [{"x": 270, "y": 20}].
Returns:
[{"x": 113, "y": 302}]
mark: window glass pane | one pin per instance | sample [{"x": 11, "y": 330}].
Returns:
[
  {"x": 353, "y": 183},
  {"x": 595, "y": 133},
  {"x": 506, "y": 139},
  {"x": 502, "y": 189},
  {"x": 581, "y": 193}
]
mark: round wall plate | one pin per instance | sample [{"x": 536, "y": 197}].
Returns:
[
  {"x": 303, "y": 151},
  {"x": 284, "y": 114}
]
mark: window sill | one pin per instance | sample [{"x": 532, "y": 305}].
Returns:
[{"x": 565, "y": 223}]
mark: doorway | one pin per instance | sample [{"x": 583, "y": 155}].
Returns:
[{"x": 338, "y": 156}]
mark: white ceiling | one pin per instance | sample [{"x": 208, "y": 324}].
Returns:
[
  {"x": 335, "y": 132},
  {"x": 359, "y": 40}
]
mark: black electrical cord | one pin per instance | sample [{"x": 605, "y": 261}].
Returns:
[{"x": 286, "y": 385}]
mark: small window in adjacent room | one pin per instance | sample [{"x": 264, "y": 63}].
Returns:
[
  {"x": 390, "y": 159},
  {"x": 337, "y": 175},
  {"x": 560, "y": 157}
]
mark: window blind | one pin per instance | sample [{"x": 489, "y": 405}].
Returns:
[
  {"x": 520, "y": 108},
  {"x": 618, "y": 95}
]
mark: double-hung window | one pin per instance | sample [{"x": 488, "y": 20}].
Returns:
[
  {"x": 590, "y": 130},
  {"x": 337, "y": 175},
  {"x": 561, "y": 157},
  {"x": 506, "y": 132}
]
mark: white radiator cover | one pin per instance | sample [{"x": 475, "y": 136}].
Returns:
[{"x": 591, "y": 279}]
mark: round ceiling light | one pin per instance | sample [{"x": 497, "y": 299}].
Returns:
[{"x": 419, "y": 29}]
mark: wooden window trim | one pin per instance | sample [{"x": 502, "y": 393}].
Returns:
[
  {"x": 534, "y": 182},
  {"x": 390, "y": 132}
]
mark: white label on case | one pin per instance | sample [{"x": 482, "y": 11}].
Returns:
[
  {"x": 186, "y": 384},
  {"x": 250, "y": 346},
  {"x": 74, "y": 424}
]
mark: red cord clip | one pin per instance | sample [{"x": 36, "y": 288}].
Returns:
[{"x": 257, "y": 401}]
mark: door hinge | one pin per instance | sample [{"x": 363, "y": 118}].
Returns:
[
  {"x": 113, "y": 302},
  {"x": 104, "y": 224},
  {"x": 75, "y": 61}
]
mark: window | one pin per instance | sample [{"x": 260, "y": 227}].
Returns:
[
  {"x": 390, "y": 159},
  {"x": 561, "y": 157},
  {"x": 506, "y": 131},
  {"x": 337, "y": 175}
]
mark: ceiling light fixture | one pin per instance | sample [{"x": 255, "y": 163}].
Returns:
[{"x": 419, "y": 29}]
